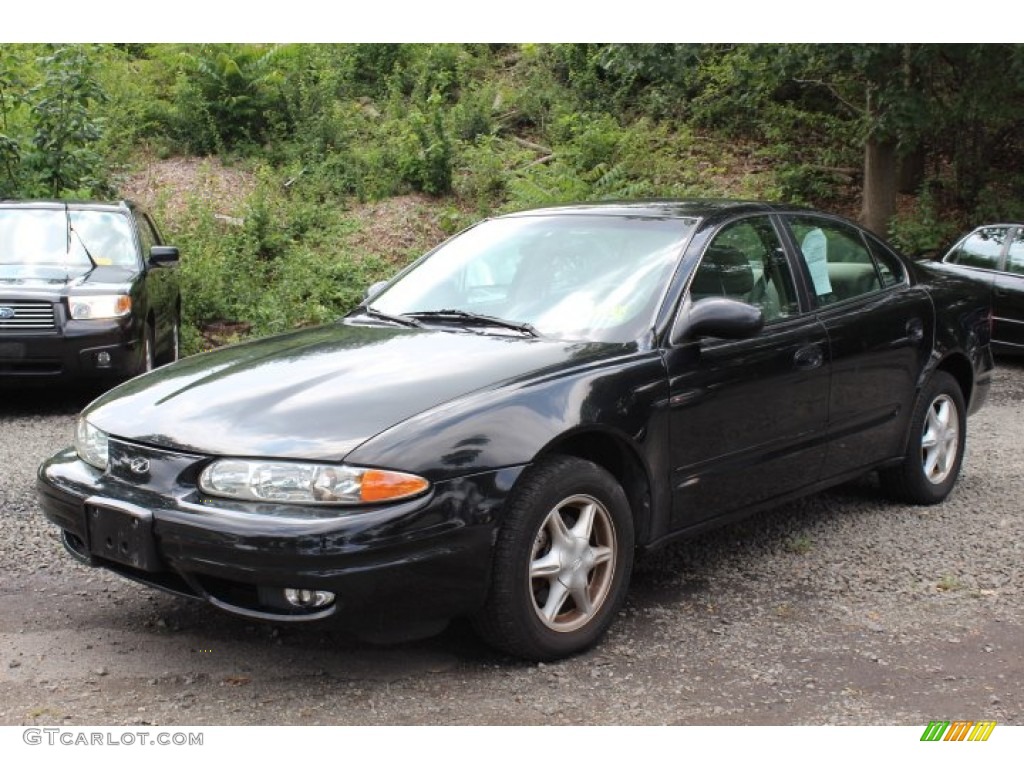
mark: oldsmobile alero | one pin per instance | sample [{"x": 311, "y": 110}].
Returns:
[{"x": 498, "y": 430}]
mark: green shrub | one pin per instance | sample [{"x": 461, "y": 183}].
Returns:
[
  {"x": 923, "y": 228},
  {"x": 231, "y": 96}
]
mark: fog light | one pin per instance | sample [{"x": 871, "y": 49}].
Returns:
[
  {"x": 308, "y": 598},
  {"x": 103, "y": 359}
]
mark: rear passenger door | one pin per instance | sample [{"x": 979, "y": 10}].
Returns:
[
  {"x": 880, "y": 330},
  {"x": 746, "y": 416}
]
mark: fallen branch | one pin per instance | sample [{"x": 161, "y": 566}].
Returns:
[
  {"x": 531, "y": 145},
  {"x": 538, "y": 161}
]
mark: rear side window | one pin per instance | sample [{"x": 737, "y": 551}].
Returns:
[
  {"x": 890, "y": 268},
  {"x": 1015, "y": 256},
  {"x": 837, "y": 258},
  {"x": 980, "y": 249}
]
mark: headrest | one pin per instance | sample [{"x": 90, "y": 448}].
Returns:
[{"x": 724, "y": 271}]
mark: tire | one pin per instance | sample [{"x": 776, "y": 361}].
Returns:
[
  {"x": 562, "y": 561},
  {"x": 935, "y": 445}
]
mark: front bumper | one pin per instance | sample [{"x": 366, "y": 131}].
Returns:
[
  {"x": 388, "y": 566},
  {"x": 76, "y": 349}
]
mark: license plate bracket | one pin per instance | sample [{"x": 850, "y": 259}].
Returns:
[{"x": 123, "y": 536}]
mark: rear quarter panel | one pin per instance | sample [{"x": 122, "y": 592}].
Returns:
[{"x": 963, "y": 325}]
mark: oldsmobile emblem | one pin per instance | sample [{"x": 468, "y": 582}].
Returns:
[
  {"x": 6, "y": 313},
  {"x": 139, "y": 465}
]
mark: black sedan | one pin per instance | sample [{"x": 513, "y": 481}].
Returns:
[
  {"x": 84, "y": 292},
  {"x": 499, "y": 429},
  {"x": 994, "y": 255}
]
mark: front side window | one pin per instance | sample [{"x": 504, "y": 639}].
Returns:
[
  {"x": 580, "y": 277},
  {"x": 146, "y": 235},
  {"x": 837, "y": 258},
  {"x": 980, "y": 249},
  {"x": 746, "y": 262}
]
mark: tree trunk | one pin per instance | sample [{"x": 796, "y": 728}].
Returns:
[
  {"x": 880, "y": 172},
  {"x": 911, "y": 172}
]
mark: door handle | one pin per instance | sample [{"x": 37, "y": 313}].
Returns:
[
  {"x": 915, "y": 329},
  {"x": 808, "y": 358}
]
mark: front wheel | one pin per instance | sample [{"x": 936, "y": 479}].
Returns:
[
  {"x": 562, "y": 561},
  {"x": 935, "y": 447}
]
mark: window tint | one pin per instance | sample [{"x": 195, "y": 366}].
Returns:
[
  {"x": 746, "y": 262},
  {"x": 1015, "y": 256},
  {"x": 980, "y": 249},
  {"x": 837, "y": 259}
]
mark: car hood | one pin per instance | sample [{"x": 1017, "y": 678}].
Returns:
[
  {"x": 54, "y": 281},
  {"x": 319, "y": 393}
]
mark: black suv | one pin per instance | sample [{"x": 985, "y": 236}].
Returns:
[{"x": 84, "y": 291}]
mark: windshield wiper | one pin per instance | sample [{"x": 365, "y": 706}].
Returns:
[
  {"x": 473, "y": 318},
  {"x": 67, "y": 215},
  {"x": 409, "y": 322}
]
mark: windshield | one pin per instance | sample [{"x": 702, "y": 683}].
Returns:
[
  {"x": 40, "y": 237},
  {"x": 580, "y": 277}
]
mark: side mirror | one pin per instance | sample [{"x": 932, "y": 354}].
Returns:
[
  {"x": 720, "y": 318},
  {"x": 374, "y": 289},
  {"x": 163, "y": 255}
]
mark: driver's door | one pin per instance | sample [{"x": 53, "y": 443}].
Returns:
[{"x": 747, "y": 418}]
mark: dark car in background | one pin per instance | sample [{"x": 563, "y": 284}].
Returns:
[
  {"x": 496, "y": 431},
  {"x": 993, "y": 254},
  {"x": 85, "y": 292}
]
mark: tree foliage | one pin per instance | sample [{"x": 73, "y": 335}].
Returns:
[
  {"x": 480, "y": 128},
  {"x": 51, "y": 128}
]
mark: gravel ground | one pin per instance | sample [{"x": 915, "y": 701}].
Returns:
[{"x": 841, "y": 609}]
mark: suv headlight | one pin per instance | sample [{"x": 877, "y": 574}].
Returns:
[
  {"x": 300, "y": 483},
  {"x": 104, "y": 307},
  {"x": 91, "y": 444}
]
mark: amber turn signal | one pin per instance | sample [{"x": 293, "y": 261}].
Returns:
[{"x": 382, "y": 485}]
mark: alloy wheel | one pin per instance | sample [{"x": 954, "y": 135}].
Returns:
[
  {"x": 940, "y": 440},
  {"x": 572, "y": 563}
]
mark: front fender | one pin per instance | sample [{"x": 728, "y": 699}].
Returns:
[{"x": 512, "y": 425}]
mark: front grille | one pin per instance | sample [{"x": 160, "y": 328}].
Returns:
[{"x": 26, "y": 316}]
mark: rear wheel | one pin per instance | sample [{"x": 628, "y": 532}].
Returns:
[
  {"x": 562, "y": 561},
  {"x": 935, "y": 447}
]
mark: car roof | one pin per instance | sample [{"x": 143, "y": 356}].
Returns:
[
  {"x": 676, "y": 209},
  {"x": 998, "y": 224},
  {"x": 78, "y": 205}
]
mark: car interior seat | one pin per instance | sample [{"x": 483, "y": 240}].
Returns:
[{"x": 724, "y": 271}]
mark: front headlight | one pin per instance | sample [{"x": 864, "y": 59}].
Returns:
[
  {"x": 91, "y": 444},
  {"x": 298, "y": 483},
  {"x": 99, "y": 307}
]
